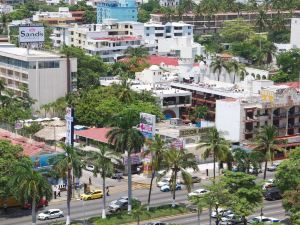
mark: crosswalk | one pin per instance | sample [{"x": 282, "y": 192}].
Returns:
[{"x": 123, "y": 187}]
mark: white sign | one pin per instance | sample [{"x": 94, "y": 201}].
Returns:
[
  {"x": 31, "y": 34},
  {"x": 69, "y": 120},
  {"x": 147, "y": 124},
  {"x": 18, "y": 125}
]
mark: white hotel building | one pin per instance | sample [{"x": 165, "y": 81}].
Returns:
[
  {"x": 47, "y": 76},
  {"x": 111, "y": 39}
]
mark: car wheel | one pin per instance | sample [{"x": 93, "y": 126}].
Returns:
[
  {"x": 89, "y": 198},
  {"x": 118, "y": 210},
  {"x": 46, "y": 218},
  {"x": 60, "y": 216}
]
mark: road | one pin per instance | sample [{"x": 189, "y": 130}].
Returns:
[{"x": 85, "y": 209}]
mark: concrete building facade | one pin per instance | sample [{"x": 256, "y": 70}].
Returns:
[{"x": 45, "y": 75}]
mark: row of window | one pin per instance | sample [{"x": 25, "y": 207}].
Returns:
[{"x": 29, "y": 65}]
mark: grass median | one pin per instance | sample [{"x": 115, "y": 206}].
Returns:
[{"x": 154, "y": 213}]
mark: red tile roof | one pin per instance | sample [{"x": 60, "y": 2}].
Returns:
[
  {"x": 98, "y": 134},
  {"x": 292, "y": 84},
  {"x": 157, "y": 60}
]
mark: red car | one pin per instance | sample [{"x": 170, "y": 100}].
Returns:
[{"x": 42, "y": 202}]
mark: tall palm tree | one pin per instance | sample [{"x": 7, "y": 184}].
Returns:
[
  {"x": 199, "y": 58},
  {"x": 268, "y": 50},
  {"x": 261, "y": 22},
  {"x": 267, "y": 144},
  {"x": 139, "y": 52},
  {"x": 64, "y": 164},
  {"x": 102, "y": 161},
  {"x": 216, "y": 145},
  {"x": 4, "y": 21},
  {"x": 156, "y": 149},
  {"x": 46, "y": 108},
  {"x": 125, "y": 94},
  {"x": 178, "y": 161},
  {"x": 237, "y": 68},
  {"x": 217, "y": 65},
  {"x": 125, "y": 138},
  {"x": 29, "y": 185}
]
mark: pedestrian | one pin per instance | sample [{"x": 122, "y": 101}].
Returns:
[
  {"x": 107, "y": 191},
  {"x": 54, "y": 194},
  {"x": 119, "y": 177},
  {"x": 138, "y": 169},
  {"x": 58, "y": 192},
  {"x": 90, "y": 180}
]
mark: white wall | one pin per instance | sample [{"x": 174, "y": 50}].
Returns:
[
  {"x": 228, "y": 119},
  {"x": 295, "y": 32}
]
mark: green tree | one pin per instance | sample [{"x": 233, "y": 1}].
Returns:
[
  {"x": 218, "y": 65},
  {"x": 237, "y": 68},
  {"x": 64, "y": 164},
  {"x": 214, "y": 145},
  {"x": 29, "y": 185},
  {"x": 287, "y": 176},
  {"x": 176, "y": 162},
  {"x": 237, "y": 30},
  {"x": 261, "y": 22},
  {"x": 125, "y": 138},
  {"x": 281, "y": 77},
  {"x": 199, "y": 112},
  {"x": 102, "y": 161},
  {"x": 138, "y": 211},
  {"x": 289, "y": 62},
  {"x": 89, "y": 17},
  {"x": 267, "y": 144},
  {"x": 245, "y": 159},
  {"x": 200, "y": 204},
  {"x": 156, "y": 149},
  {"x": 246, "y": 195}
]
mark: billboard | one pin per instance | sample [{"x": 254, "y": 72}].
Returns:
[
  {"x": 31, "y": 34},
  {"x": 147, "y": 124},
  {"x": 69, "y": 117}
]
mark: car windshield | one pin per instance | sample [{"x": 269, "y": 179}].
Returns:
[
  {"x": 46, "y": 212},
  {"x": 118, "y": 203}
]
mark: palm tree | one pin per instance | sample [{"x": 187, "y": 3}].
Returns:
[
  {"x": 29, "y": 185},
  {"x": 218, "y": 65},
  {"x": 261, "y": 21},
  {"x": 268, "y": 50},
  {"x": 102, "y": 161},
  {"x": 138, "y": 211},
  {"x": 215, "y": 145},
  {"x": 267, "y": 144},
  {"x": 125, "y": 138},
  {"x": 237, "y": 68},
  {"x": 156, "y": 150},
  {"x": 178, "y": 161},
  {"x": 4, "y": 20},
  {"x": 200, "y": 203},
  {"x": 64, "y": 164},
  {"x": 46, "y": 108},
  {"x": 125, "y": 94},
  {"x": 199, "y": 58},
  {"x": 139, "y": 52}
]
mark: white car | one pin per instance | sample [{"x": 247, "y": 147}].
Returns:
[
  {"x": 164, "y": 181},
  {"x": 264, "y": 219},
  {"x": 197, "y": 192},
  {"x": 51, "y": 214},
  {"x": 90, "y": 167},
  {"x": 221, "y": 212}
]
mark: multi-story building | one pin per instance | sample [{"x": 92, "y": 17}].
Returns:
[
  {"x": 278, "y": 105},
  {"x": 46, "y": 76},
  {"x": 122, "y": 10},
  {"x": 62, "y": 17},
  {"x": 60, "y": 35},
  {"x": 204, "y": 24},
  {"x": 109, "y": 40},
  {"x": 13, "y": 2},
  {"x": 5, "y": 9}
]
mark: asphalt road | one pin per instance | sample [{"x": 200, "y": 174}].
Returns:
[{"x": 85, "y": 209}]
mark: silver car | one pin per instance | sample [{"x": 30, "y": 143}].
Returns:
[{"x": 51, "y": 214}]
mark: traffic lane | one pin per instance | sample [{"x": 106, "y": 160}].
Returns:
[{"x": 271, "y": 209}]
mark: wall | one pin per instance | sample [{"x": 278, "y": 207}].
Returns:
[
  {"x": 228, "y": 119},
  {"x": 295, "y": 32}
]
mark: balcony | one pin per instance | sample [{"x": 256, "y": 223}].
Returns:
[{"x": 279, "y": 115}]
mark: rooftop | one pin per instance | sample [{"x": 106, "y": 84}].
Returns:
[
  {"x": 158, "y": 60},
  {"x": 32, "y": 53},
  {"x": 97, "y": 134}
]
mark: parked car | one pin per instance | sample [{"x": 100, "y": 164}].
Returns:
[
  {"x": 263, "y": 219},
  {"x": 157, "y": 223},
  {"x": 43, "y": 202},
  {"x": 221, "y": 212},
  {"x": 117, "y": 174},
  {"x": 164, "y": 181},
  {"x": 197, "y": 192},
  {"x": 50, "y": 214},
  {"x": 91, "y": 195},
  {"x": 89, "y": 167},
  {"x": 167, "y": 188},
  {"x": 273, "y": 194},
  {"x": 118, "y": 205},
  {"x": 272, "y": 168},
  {"x": 124, "y": 198},
  {"x": 231, "y": 218},
  {"x": 255, "y": 171}
]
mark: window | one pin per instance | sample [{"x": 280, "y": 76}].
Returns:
[
  {"x": 147, "y": 28},
  {"x": 178, "y": 34},
  {"x": 126, "y": 26},
  {"x": 48, "y": 64},
  {"x": 159, "y": 35},
  {"x": 159, "y": 28},
  {"x": 147, "y": 35}
]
